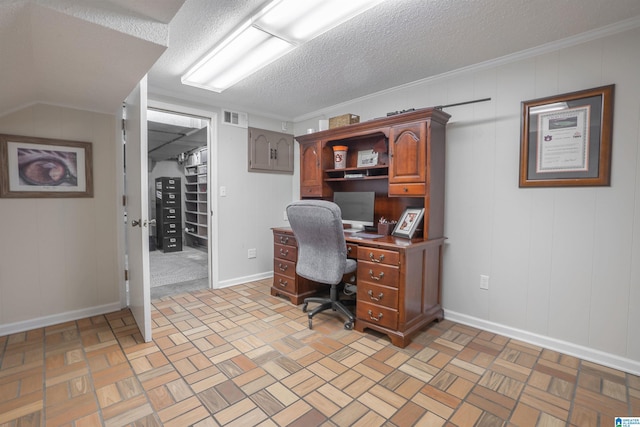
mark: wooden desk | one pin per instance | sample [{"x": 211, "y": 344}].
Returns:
[{"x": 399, "y": 282}]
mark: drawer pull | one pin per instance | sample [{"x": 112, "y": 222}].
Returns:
[
  {"x": 378, "y": 277},
  {"x": 349, "y": 249},
  {"x": 283, "y": 252},
  {"x": 283, "y": 283},
  {"x": 378, "y": 298},
  {"x": 284, "y": 239},
  {"x": 283, "y": 267},
  {"x": 380, "y": 258},
  {"x": 375, "y": 319}
]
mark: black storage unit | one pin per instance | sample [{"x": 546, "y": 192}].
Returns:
[{"x": 168, "y": 214}]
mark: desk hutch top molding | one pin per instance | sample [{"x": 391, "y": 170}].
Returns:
[{"x": 398, "y": 280}]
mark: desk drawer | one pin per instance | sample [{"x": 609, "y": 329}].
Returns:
[
  {"x": 352, "y": 250},
  {"x": 284, "y": 283},
  {"x": 285, "y": 252},
  {"x": 379, "y": 295},
  {"x": 377, "y": 314},
  {"x": 378, "y": 256},
  {"x": 380, "y": 274},
  {"x": 284, "y": 267},
  {"x": 284, "y": 239},
  {"x": 407, "y": 189}
]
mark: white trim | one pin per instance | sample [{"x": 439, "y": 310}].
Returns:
[
  {"x": 245, "y": 279},
  {"x": 590, "y": 354},
  {"x": 54, "y": 319},
  {"x": 608, "y": 30},
  {"x": 212, "y": 147}
]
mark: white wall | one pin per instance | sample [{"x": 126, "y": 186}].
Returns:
[
  {"x": 564, "y": 263},
  {"x": 254, "y": 202},
  {"x": 58, "y": 257}
]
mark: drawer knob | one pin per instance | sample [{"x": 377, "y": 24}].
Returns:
[
  {"x": 284, "y": 240},
  {"x": 283, "y": 283},
  {"x": 406, "y": 189},
  {"x": 283, "y": 267},
  {"x": 283, "y": 252},
  {"x": 380, "y": 258},
  {"x": 378, "y": 277},
  {"x": 378, "y": 298},
  {"x": 375, "y": 319}
]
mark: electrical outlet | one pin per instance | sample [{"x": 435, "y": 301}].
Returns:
[
  {"x": 484, "y": 282},
  {"x": 223, "y": 191},
  {"x": 252, "y": 253}
]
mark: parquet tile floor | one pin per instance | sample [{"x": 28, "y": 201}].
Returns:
[{"x": 240, "y": 357}]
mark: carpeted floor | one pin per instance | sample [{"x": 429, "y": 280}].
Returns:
[{"x": 187, "y": 265}]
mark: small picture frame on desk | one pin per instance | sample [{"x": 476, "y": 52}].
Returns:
[{"x": 408, "y": 223}]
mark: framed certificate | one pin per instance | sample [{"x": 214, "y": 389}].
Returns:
[{"x": 566, "y": 139}]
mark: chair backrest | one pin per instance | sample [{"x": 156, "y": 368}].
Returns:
[{"x": 322, "y": 250}]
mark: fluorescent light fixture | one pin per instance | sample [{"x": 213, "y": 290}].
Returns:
[{"x": 277, "y": 29}]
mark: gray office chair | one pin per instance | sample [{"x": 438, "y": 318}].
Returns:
[{"x": 322, "y": 252}]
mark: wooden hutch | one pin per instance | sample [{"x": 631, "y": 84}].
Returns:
[{"x": 399, "y": 280}]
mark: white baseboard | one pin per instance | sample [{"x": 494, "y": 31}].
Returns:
[
  {"x": 586, "y": 353},
  {"x": 245, "y": 279},
  {"x": 54, "y": 319}
]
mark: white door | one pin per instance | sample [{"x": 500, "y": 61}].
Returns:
[{"x": 137, "y": 208}]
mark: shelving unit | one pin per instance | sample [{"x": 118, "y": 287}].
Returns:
[{"x": 195, "y": 205}]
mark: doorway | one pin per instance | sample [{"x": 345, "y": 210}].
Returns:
[{"x": 179, "y": 176}]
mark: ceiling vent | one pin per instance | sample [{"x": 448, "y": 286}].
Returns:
[{"x": 235, "y": 119}]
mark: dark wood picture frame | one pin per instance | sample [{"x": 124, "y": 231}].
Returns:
[
  {"x": 566, "y": 139},
  {"x": 408, "y": 224},
  {"x": 45, "y": 168}
]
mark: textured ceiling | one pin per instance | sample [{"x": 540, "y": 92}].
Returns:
[
  {"x": 89, "y": 54},
  {"x": 396, "y": 42}
]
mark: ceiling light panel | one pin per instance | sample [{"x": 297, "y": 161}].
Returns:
[{"x": 274, "y": 31}]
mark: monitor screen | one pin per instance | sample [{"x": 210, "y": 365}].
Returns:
[{"x": 357, "y": 207}]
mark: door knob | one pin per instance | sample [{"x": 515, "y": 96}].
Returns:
[
  {"x": 135, "y": 223},
  {"x": 150, "y": 222}
]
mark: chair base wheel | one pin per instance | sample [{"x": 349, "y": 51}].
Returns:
[{"x": 348, "y": 325}]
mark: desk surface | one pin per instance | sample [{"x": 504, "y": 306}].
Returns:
[{"x": 391, "y": 242}]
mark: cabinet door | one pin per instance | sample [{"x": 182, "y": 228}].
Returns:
[
  {"x": 407, "y": 147},
  {"x": 283, "y": 146},
  {"x": 311, "y": 169},
  {"x": 260, "y": 153}
]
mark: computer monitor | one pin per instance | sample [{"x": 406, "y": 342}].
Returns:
[{"x": 357, "y": 208}]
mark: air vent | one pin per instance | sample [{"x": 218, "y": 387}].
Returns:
[{"x": 234, "y": 118}]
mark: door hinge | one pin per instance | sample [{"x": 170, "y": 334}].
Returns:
[
  {"x": 126, "y": 275},
  {"x": 124, "y": 200}
]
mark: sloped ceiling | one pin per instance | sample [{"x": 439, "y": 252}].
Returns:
[{"x": 79, "y": 53}]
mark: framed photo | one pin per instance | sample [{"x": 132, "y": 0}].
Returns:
[
  {"x": 367, "y": 158},
  {"x": 408, "y": 223},
  {"x": 566, "y": 139},
  {"x": 42, "y": 167}
]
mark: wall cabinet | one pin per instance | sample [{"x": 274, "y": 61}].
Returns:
[{"x": 270, "y": 151}]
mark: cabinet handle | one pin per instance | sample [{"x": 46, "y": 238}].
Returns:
[
  {"x": 283, "y": 267},
  {"x": 377, "y": 318},
  {"x": 380, "y": 276},
  {"x": 380, "y": 258},
  {"x": 378, "y": 298},
  {"x": 284, "y": 239},
  {"x": 284, "y": 253},
  {"x": 283, "y": 283}
]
